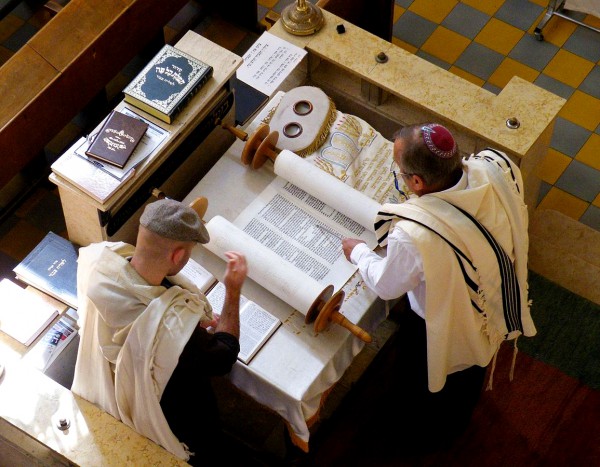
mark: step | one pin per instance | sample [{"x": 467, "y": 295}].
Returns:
[{"x": 565, "y": 252}]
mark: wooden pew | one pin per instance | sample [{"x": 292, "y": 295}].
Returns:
[{"x": 46, "y": 83}]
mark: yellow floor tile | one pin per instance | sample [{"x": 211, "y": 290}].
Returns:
[
  {"x": 405, "y": 45},
  {"x": 568, "y": 68},
  {"x": 445, "y": 44},
  {"x": 596, "y": 202},
  {"x": 589, "y": 154},
  {"x": 543, "y": 3},
  {"x": 433, "y": 10},
  {"x": 564, "y": 202},
  {"x": 468, "y": 76},
  {"x": 583, "y": 109},
  {"x": 268, "y": 3},
  {"x": 398, "y": 10},
  {"x": 552, "y": 166},
  {"x": 557, "y": 30},
  {"x": 499, "y": 36},
  {"x": 593, "y": 21},
  {"x": 509, "y": 68},
  {"x": 487, "y": 6}
]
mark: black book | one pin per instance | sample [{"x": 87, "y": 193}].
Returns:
[
  {"x": 52, "y": 268},
  {"x": 167, "y": 83}
]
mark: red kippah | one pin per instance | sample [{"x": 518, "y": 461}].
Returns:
[{"x": 439, "y": 140}]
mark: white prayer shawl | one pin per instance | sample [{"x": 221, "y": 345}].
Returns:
[
  {"x": 128, "y": 352},
  {"x": 459, "y": 335}
]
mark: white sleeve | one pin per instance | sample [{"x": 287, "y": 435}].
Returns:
[{"x": 397, "y": 273}]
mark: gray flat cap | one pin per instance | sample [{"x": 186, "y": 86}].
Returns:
[{"x": 171, "y": 219}]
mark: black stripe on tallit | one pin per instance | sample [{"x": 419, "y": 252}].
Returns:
[
  {"x": 512, "y": 174},
  {"x": 470, "y": 283},
  {"x": 511, "y": 296}
]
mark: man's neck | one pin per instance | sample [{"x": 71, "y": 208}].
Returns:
[{"x": 151, "y": 274}]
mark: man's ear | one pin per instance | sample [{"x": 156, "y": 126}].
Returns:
[
  {"x": 418, "y": 183},
  {"x": 177, "y": 255}
]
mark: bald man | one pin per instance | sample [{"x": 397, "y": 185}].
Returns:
[{"x": 145, "y": 354}]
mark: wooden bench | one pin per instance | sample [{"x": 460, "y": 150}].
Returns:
[{"x": 47, "y": 82}]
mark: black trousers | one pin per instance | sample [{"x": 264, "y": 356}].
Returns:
[{"x": 396, "y": 394}]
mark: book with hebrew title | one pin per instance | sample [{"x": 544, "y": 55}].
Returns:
[
  {"x": 52, "y": 268},
  {"x": 167, "y": 83},
  {"x": 117, "y": 139}
]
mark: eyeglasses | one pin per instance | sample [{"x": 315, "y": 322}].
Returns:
[{"x": 395, "y": 170}]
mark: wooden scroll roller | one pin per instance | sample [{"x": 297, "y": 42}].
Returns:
[
  {"x": 239, "y": 134},
  {"x": 259, "y": 147},
  {"x": 200, "y": 204},
  {"x": 302, "y": 292}
]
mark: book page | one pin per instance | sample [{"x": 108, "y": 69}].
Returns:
[
  {"x": 256, "y": 323},
  {"x": 268, "y": 62},
  {"x": 303, "y": 231},
  {"x": 193, "y": 272},
  {"x": 23, "y": 315}
]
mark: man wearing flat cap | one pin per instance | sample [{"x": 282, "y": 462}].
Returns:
[
  {"x": 145, "y": 354},
  {"x": 458, "y": 248}
]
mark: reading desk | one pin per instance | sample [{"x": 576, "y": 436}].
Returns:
[{"x": 96, "y": 207}]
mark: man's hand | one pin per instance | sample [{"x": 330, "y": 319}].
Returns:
[
  {"x": 235, "y": 274},
  {"x": 236, "y": 271},
  {"x": 348, "y": 245}
]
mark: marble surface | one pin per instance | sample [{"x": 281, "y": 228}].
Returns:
[
  {"x": 32, "y": 402},
  {"x": 419, "y": 83}
]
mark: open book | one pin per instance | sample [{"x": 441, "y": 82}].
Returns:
[{"x": 256, "y": 323}]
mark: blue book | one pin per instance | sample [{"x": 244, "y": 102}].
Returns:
[
  {"x": 52, "y": 268},
  {"x": 167, "y": 83}
]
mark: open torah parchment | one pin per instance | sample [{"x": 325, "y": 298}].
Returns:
[{"x": 291, "y": 233}]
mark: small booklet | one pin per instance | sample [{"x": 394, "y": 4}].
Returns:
[
  {"x": 257, "y": 325},
  {"x": 45, "y": 351},
  {"x": 117, "y": 139}
]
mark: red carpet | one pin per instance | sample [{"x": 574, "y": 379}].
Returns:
[{"x": 542, "y": 418}]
